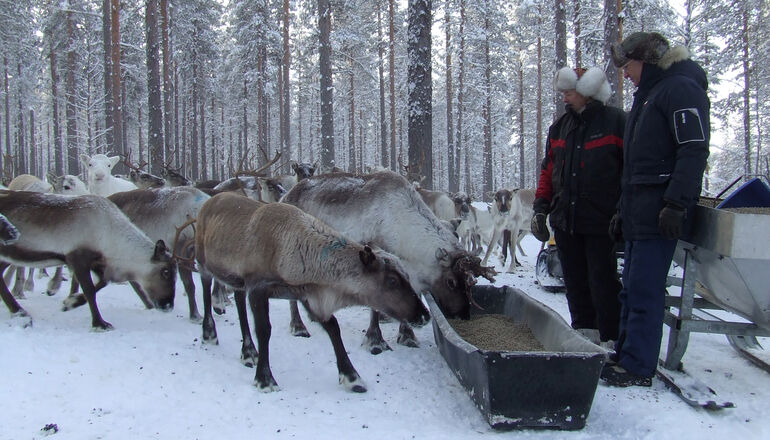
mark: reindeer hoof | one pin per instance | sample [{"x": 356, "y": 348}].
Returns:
[
  {"x": 219, "y": 310},
  {"x": 50, "y": 292},
  {"x": 103, "y": 326},
  {"x": 21, "y": 319},
  {"x": 267, "y": 385},
  {"x": 408, "y": 341},
  {"x": 73, "y": 301},
  {"x": 354, "y": 383},
  {"x": 299, "y": 330},
  {"x": 376, "y": 347},
  {"x": 196, "y": 318}
]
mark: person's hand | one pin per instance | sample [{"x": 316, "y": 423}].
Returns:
[
  {"x": 616, "y": 228},
  {"x": 670, "y": 221},
  {"x": 539, "y": 228}
]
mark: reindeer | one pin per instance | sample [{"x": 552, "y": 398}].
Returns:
[
  {"x": 101, "y": 182},
  {"x": 142, "y": 179},
  {"x": 439, "y": 202},
  {"x": 67, "y": 184},
  {"x": 88, "y": 233},
  {"x": 508, "y": 217},
  {"x": 276, "y": 251},
  {"x": 385, "y": 210},
  {"x": 173, "y": 177}
]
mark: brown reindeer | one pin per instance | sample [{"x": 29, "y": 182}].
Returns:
[
  {"x": 276, "y": 251},
  {"x": 384, "y": 209},
  {"x": 88, "y": 233}
]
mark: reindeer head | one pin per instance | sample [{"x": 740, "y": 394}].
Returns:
[
  {"x": 303, "y": 170},
  {"x": 452, "y": 292},
  {"x": 160, "y": 282},
  {"x": 143, "y": 179},
  {"x": 502, "y": 201},
  {"x": 99, "y": 166},
  {"x": 462, "y": 204},
  {"x": 173, "y": 178},
  {"x": 395, "y": 296}
]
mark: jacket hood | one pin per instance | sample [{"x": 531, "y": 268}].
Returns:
[{"x": 677, "y": 62}]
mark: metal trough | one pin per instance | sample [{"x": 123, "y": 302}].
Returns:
[
  {"x": 728, "y": 255},
  {"x": 544, "y": 389}
]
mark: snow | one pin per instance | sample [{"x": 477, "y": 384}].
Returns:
[{"x": 151, "y": 378}]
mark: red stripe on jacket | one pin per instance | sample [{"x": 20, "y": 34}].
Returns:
[{"x": 610, "y": 139}]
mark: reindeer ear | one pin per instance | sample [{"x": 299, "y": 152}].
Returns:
[
  {"x": 367, "y": 256},
  {"x": 84, "y": 159},
  {"x": 114, "y": 160},
  {"x": 161, "y": 250}
]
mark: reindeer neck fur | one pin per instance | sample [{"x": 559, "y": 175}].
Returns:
[
  {"x": 382, "y": 209},
  {"x": 159, "y": 211},
  {"x": 52, "y": 226}
]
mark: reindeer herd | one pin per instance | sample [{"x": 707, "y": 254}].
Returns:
[{"x": 327, "y": 241}]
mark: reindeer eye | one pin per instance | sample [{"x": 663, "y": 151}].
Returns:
[{"x": 165, "y": 273}]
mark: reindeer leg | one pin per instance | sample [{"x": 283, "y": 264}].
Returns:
[
  {"x": 18, "y": 284},
  {"x": 54, "y": 284},
  {"x": 506, "y": 245},
  {"x": 189, "y": 287},
  {"x": 29, "y": 283},
  {"x": 249, "y": 354},
  {"x": 74, "y": 299},
  {"x": 512, "y": 249},
  {"x": 260, "y": 308},
  {"x": 522, "y": 234},
  {"x": 406, "y": 336},
  {"x": 80, "y": 261},
  {"x": 374, "y": 341},
  {"x": 209, "y": 327},
  {"x": 349, "y": 377},
  {"x": 220, "y": 298},
  {"x": 491, "y": 246},
  {"x": 13, "y": 306},
  {"x": 296, "y": 326}
]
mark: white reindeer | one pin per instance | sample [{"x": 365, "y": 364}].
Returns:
[
  {"x": 67, "y": 184},
  {"x": 275, "y": 250},
  {"x": 89, "y": 234},
  {"x": 384, "y": 209},
  {"x": 101, "y": 182}
]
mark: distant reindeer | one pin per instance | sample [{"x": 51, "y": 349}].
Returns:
[
  {"x": 174, "y": 178},
  {"x": 300, "y": 171},
  {"x": 101, "y": 182},
  {"x": 89, "y": 234},
  {"x": 67, "y": 184},
  {"x": 275, "y": 250},
  {"x": 508, "y": 216},
  {"x": 384, "y": 209},
  {"x": 142, "y": 179}
]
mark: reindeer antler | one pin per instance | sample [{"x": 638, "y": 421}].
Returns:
[
  {"x": 127, "y": 163},
  {"x": 254, "y": 173},
  {"x": 469, "y": 268},
  {"x": 188, "y": 262}
]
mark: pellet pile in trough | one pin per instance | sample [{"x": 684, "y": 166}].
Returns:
[{"x": 496, "y": 332}]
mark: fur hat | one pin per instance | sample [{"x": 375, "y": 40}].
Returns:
[
  {"x": 647, "y": 47},
  {"x": 591, "y": 83}
]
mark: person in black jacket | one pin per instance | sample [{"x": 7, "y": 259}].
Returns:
[
  {"x": 666, "y": 145},
  {"x": 579, "y": 186}
]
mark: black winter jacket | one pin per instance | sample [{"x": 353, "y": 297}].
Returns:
[
  {"x": 665, "y": 144},
  {"x": 579, "y": 182}
]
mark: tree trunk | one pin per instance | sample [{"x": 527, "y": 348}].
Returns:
[
  {"x": 286, "y": 97},
  {"x": 460, "y": 102},
  {"x": 576, "y": 27},
  {"x": 155, "y": 138},
  {"x": 352, "y": 117},
  {"x": 71, "y": 108},
  {"x": 746, "y": 108},
  {"x": 539, "y": 111},
  {"x": 204, "y": 156},
  {"x": 107, "y": 43},
  {"x": 33, "y": 162},
  {"x": 488, "y": 177},
  {"x": 453, "y": 184},
  {"x": 392, "y": 84},
  {"x": 381, "y": 74},
  {"x": 21, "y": 150},
  {"x": 612, "y": 35},
  {"x": 8, "y": 153},
  {"x": 560, "y": 41},
  {"x": 520, "y": 103},
  {"x": 117, "y": 113},
  {"x": 58, "y": 148},
  {"x": 420, "y": 129},
  {"x": 327, "y": 94},
  {"x": 167, "y": 91},
  {"x": 243, "y": 140}
]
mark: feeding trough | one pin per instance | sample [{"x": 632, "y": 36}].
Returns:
[{"x": 514, "y": 389}]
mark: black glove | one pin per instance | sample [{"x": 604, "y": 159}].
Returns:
[
  {"x": 616, "y": 228},
  {"x": 670, "y": 221},
  {"x": 539, "y": 228}
]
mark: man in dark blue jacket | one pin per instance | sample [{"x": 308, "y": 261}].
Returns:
[
  {"x": 578, "y": 187},
  {"x": 666, "y": 145}
]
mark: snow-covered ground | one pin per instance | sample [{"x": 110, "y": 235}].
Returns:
[{"x": 152, "y": 378}]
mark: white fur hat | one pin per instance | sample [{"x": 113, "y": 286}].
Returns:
[{"x": 592, "y": 83}]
